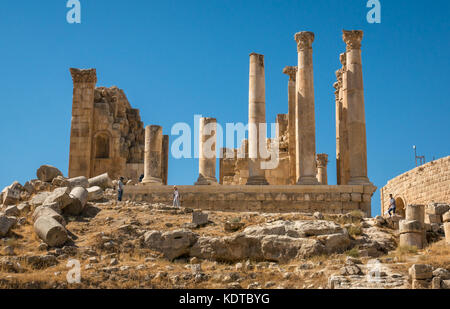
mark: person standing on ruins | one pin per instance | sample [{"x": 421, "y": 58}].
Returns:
[
  {"x": 176, "y": 197},
  {"x": 120, "y": 186},
  {"x": 392, "y": 206}
]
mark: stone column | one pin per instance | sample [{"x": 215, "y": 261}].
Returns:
[
  {"x": 256, "y": 118},
  {"x": 152, "y": 156},
  {"x": 342, "y": 156},
  {"x": 305, "y": 122},
  {"x": 81, "y": 133},
  {"x": 446, "y": 220},
  {"x": 207, "y": 152},
  {"x": 291, "y": 72},
  {"x": 165, "y": 159},
  {"x": 412, "y": 229},
  {"x": 322, "y": 161},
  {"x": 354, "y": 97}
]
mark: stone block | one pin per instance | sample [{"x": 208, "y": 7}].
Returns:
[
  {"x": 421, "y": 271},
  {"x": 420, "y": 284},
  {"x": 199, "y": 218},
  {"x": 410, "y": 227},
  {"x": 446, "y": 217},
  {"x": 430, "y": 219}
]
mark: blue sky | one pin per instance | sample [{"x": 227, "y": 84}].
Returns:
[{"x": 175, "y": 59}]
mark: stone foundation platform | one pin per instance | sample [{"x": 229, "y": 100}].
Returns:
[{"x": 270, "y": 199}]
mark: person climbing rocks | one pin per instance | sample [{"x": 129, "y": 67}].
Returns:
[
  {"x": 120, "y": 186},
  {"x": 392, "y": 206}
]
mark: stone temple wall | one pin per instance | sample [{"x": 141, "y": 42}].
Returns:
[
  {"x": 271, "y": 199},
  {"x": 107, "y": 134},
  {"x": 423, "y": 185},
  {"x": 234, "y": 170}
]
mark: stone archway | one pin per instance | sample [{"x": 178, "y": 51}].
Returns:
[{"x": 400, "y": 204}]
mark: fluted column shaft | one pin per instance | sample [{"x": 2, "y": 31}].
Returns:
[
  {"x": 207, "y": 152},
  {"x": 356, "y": 122},
  {"x": 305, "y": 123},
  {"x": 152, "y": 156},
  {"x": 292, "y": 73},
  {"x": 257, "y": 119}
]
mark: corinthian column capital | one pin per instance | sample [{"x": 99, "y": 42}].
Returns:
[
  {"x": 291, "y": 71},
  {"x": 304, "y": 40},
  {"x": 83, "y": 76},
  {"x": 322, "y": 160},
  {"x": 352, "y": 38}
]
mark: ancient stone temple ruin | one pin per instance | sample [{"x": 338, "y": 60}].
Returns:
[
  {"x": 299, "y": 182},
  {"x": 107, "y": 134}
]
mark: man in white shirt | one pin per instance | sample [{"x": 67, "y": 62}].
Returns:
[
  {"x": 176, "y": 197},
  {"x": 392, "y": 206}
]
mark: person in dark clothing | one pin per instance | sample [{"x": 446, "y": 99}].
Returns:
[
  {"x": 141, "y": 177},
  {"x": 120, "y": 189},
  {"x": 392, "y": 206}
]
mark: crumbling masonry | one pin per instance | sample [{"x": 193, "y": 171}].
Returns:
[{"x": 108, "y": 136}]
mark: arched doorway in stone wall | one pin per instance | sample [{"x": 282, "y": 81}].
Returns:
[{"x": 400, "y": 204}]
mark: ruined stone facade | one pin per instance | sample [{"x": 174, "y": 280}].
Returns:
[
  {"x": 298, "y": 181},
  {"x": 107, "y": 134},
  {"x": 429, "y": 183}
]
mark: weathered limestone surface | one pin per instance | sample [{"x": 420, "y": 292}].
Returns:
[
  {"x": 103, "y": 181},
  {"x": 412, "y": 229},
  {"x": 153, "y": 150},
  {"x": 50, "y": 231},
  {"x": 308, "y": 199},
  {"x": 423, "y": 185},
  {"x": 47, "y": 173},
  {"x": 207, "y": 152},
  {"x": 305, "y": 122},
  {"x": 256, "y": 119},
  {"x": 342, "y": 148},
  {"x": 107, "y": 135},
  {"x": 322, "y": 162},
  {"x": 79, "y": 197},
  {"x": 165, "y": 159},
  {"x": 291, "y": 71},
  {"x": 354, "y": 97}
]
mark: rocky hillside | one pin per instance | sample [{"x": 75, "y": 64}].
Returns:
[{"x": 49, "y": 225}]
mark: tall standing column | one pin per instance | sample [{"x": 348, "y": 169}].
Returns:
[
  {"x": 305, "y": 122},
  {"x": 354, "y": 95},
  {"x": 342, "y": 155},
  {"x": 207, "y": 152},
  {"x": 152, "y": 156},
  {"x": 322, "y": 162},
  {"x": 81, "y": 132},
  {"x": 291, "y": 72},
  {"x": 256, "y": 119}
]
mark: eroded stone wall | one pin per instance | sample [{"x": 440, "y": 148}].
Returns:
[
  {"x": 307, "y": 199},
  {"x": 234, "y": 170},
  {"x": 107, "y": 134},
  {"x": 423, "y": 185}
]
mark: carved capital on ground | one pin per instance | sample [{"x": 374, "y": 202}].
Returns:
[
  {"x": 352, "y": 38},
  {"x": 304, "y": 40},
  {"x": 83, "y": 76},
  {"x": 291, "y": 71}
]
